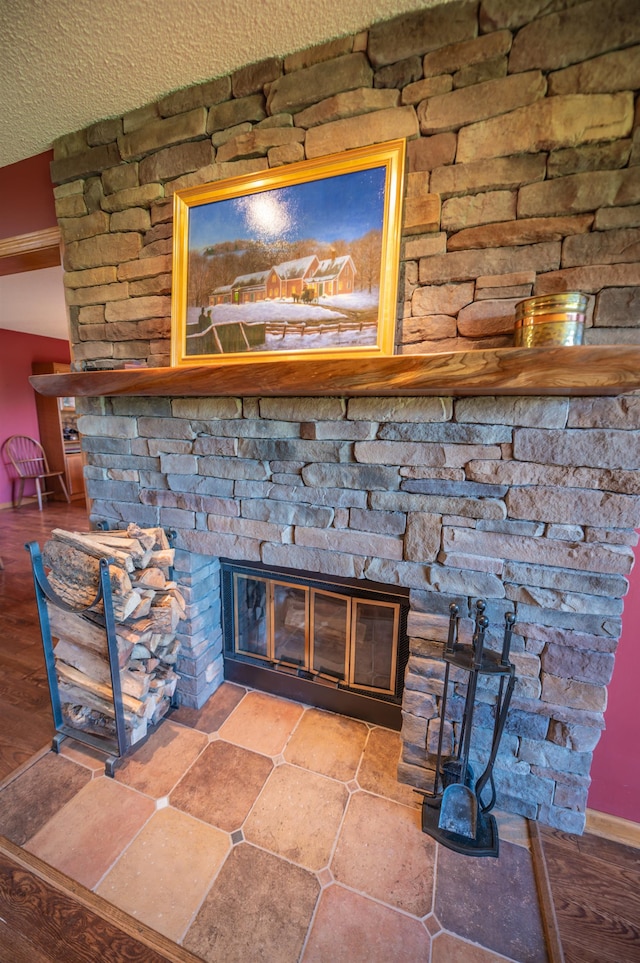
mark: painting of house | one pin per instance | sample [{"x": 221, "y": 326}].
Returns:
[
  {"x": 334, "y": 276},
  {"x": 288, "y": 280}
]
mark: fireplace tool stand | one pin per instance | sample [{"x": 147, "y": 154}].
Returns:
[{"x": 455, "y": 812}]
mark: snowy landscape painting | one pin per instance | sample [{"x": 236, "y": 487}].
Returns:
[{"x": 299, "y": 260}]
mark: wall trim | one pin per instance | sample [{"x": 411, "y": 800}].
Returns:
[
  {"x": 26, "y": 243},
  {"x": 613, "y": 827}
]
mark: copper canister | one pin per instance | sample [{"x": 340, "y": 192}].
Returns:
[{"x": 552, "y": 319}]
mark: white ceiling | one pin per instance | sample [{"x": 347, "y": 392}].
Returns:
[{"x": 65, "y": 64}]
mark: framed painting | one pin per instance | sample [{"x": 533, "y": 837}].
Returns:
[{"x": 299, "y": 262}]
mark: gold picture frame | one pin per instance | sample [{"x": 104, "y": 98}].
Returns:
[{"x": 300, "y": 261}]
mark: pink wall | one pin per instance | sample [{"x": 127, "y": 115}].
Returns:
[
  {"x": 615, "y": 773},
  {"x": 17, "y": 397},
  {"x": 26, "y": 194}
]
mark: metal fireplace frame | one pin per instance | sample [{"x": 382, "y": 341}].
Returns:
[{"x": 374, "y": 706}]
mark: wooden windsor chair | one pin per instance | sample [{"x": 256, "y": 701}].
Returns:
[{"x": 25, "y": 460}]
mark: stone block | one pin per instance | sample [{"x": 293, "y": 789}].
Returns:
[
  {"x": 399, "y": 74},
  {"x": 362, "y": 477},
  {"x": 137, "y": 309},
  {"x": 579, "y": 33},
  {"x": 467, "y": 265},
  {"x": 133, "y": 219},
  {"x": 613, "y": 217},
  {"x": 92, "y": 161},
  {"x": 531, "y": 230},
  {"x": 622, "y": 412},
  {"x": 100, "y": 294},
  {"x": 501, "y": 173},
  {"x": 424, "y": 245},
  {"x": 582, "y": 665},
  {"x": 580, "y": 192},
  {"x": 608, "y": 560},
  {"x": 135, "y": 119},
  {"x": 618, "y": 70},
  {"x": 90, "y": 278},
  {"x": 104, "y": 132},
  {"x": 576, "y": 695},
  {"x": 476, "y": 209},
  {"x": 433, "y": 327},
  {"x": 422, "y": 539},
  {"x": 257, "y": 143},
  {"x": 595, "y": 448},
  {"x": 70, "y": 144},
  {"x": 313, "y": 560},
  {"x": 590, "y": 157},
  {"x": 157, "y": 285},
  {"x": 104, "y": 249},
  {"x": 374, "y": 128},
  {"x": 295, "y": 91},
  {"x": 571, "y": 736},
  {"x": 468, "y": 105},
  {"x": 318, "y": 54},
  {"x": 77, "y": 228},
  {"x": 143, "y": 196},
  {"x": 446, "y": 60},
  {"x": 421, "y": 214},
  {"x": 349, "y": 541},
  {"x": 426, "y": 153},
  {"x": 252, "y": 79},
  {"x": 574, "y": 506},
  {"x": 483, "y": 318},
  {"x": 405, "y": 410},
  {"x": 480, "y": 73},
  {"x": 200, "y": 95},
  {"x": 350, "y": 103},
  {"x": 302, "y": 409},
  {"x": 565, "y": 121},
  {"x": 418, "y": 33},
  {"x": 163, "y": 133},
  {"x": 602, "y": 247},
  {"x": 287, "y": 154},
  {"x": 144, "y": 267},
  {"x": 175, "y": 161},
  {"x": 72, "y": 206},
  {"x": 423, "y": 89}
]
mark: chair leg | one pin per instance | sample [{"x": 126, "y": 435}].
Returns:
[
  {"x": 64, "y": 489},
  {"x": 39, "y": 493},
  {"x": 17, "y": 502}
]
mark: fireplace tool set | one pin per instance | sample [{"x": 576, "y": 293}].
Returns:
[{"x": 455, "y": 812}]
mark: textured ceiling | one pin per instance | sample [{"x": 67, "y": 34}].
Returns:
[{"x": 65, "y": 64}]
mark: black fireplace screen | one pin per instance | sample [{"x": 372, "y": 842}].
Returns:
[{"x": 339, "y": 633}]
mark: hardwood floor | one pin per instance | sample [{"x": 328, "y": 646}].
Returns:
[
  {"x": 26, "y": 724},
  {"x": 595, "y": 885}
]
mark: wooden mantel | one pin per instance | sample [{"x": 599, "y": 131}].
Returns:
[{"x": 579, "y": 370}]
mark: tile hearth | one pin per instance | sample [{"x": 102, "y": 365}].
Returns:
[{"x": 260, "y": 828}]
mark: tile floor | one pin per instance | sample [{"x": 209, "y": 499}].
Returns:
[{"x": 261, "y": 829}]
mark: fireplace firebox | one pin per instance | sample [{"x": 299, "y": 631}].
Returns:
[{"x": 335, "y": 643}]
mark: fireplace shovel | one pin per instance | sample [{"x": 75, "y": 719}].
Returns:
[{"x": 459, "y": 808}]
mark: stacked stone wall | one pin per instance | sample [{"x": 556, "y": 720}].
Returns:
[
  {"x": 530, "y": 504},
  {"x": 523, "y": 174}
]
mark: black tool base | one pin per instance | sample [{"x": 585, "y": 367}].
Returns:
[{"x": 485, "y": 843}]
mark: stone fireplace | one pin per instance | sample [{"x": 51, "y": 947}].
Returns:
[{"x": 460, "y": 469}]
